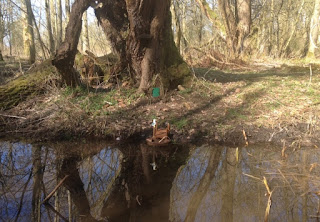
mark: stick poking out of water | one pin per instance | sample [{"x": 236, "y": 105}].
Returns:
[{"x": 269, "y": 193}]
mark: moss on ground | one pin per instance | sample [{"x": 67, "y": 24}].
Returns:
[{"x": 31, "y": 84}]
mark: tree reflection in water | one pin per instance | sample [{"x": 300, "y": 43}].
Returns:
[
  {"x": 101, "y": 182},
  {"x": 234, "y": 191}
]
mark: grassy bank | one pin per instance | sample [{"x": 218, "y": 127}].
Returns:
[{"x": 267, "y": 103}]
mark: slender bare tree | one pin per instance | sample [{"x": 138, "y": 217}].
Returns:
[
  {"x": 53, "y": 16},
  {"x": 1, "y": 29},
  {"x": 237, "y": 22},
  {"x": 67, "y": 9},
  {"x": 29, "y": 43},
  {"x": 86, "y": 43},
  {"x": 49, "y": 28},
  {"x": 59, "y": 23},
  {"x": 314, "y": 29}
]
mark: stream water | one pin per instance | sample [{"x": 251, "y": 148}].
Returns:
[{"x": 113, "y": 182}]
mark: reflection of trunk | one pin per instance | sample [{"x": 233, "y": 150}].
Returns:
[
  {"x": 228, "y": 178},
  {"x": 57, "y": 204},
  {"x": 57, "y": 194},
  {"x": 75, "y": 186},
  {"x": 131, "y": 187},
  {"x": 37, "y": 172},
  {"x": 204, "y": 185},
  {"x": 64, "y": 58},
  {"x": 305, "y": 183},
  {"x": 69, "y": 206},
  {"x": 145, "y": 162}
]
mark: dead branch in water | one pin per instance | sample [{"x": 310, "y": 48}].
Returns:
[
  {"x": 269, "y": 193},
  {"x": 55, "y": 189}
]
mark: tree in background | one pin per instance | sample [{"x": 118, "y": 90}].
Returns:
[
  {"x": 49, "y": 28},
  {"x": 214, "y": 29},
  {"x": 314, "y": 30},
  {"x": 64, "y": 58},
  {"x": 59, "y": 23},
  {"x": 237, "y": 21},
  {"x": 29, "y": 43},
  {"x": 1, "y": 30}
]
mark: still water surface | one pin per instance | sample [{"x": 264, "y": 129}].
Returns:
[{"x": 129, "y": 182}]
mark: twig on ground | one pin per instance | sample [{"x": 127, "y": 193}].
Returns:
[{"x": 11, "y": 116}]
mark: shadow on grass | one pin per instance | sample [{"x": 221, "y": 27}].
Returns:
[{"x": 225, "y": 77}]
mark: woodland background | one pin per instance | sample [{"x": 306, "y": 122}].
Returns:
[{"x": 276, "y": 29}]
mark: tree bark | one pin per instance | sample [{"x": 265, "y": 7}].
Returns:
[
  {"x": 150, "y": 46},
  {"x": 29, "y": 43},
  {"x": 64, "y": 58},
  {"x": 141, "y": 37},
  {"x": 49, "y": 28},
  {"x": 113, "y": 18},
  {"x": 37, "y": 172},
  {"x": 314, "y": 30}
]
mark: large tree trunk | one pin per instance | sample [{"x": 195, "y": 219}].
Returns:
[
  {"x": 150, "y": 46},
  {"x": 29, "y": 44},
  {"x": 64, "y": 58},
  {"x": 314, "y": 29},
  {"x": 141, "y": 37}
]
